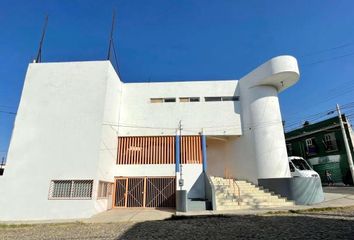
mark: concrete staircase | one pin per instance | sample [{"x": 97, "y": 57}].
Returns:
[{"x": 251, "y": 196}]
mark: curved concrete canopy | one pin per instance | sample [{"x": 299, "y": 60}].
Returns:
[{"x": 280, "y": 72}]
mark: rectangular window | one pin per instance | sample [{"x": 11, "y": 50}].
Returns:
[
  {"x": 222, "y": 98},
  {"x": 310, "y": 146},
  {"x": 212, "y": 99},
  {"x": 104, "y": 189},
  {"x": 289, "y": 149},
  {"x": 162, "y": 100},
  {"x": 156, "y": 100},
  {"x": 168, "y": 100},
  {"x": 189, "y": 99},
  {"x": 232, "y": 98},
  {"x": 329, "y": 142},
  {"x": 71, "y": 189}
]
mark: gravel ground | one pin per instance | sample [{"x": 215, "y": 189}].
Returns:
[{"x": 315, "y": 224}]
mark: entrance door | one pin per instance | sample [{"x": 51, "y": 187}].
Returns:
[
  {"x": 136, "y": 194},
  {"x": 161, "y": 192},
  {"x": 121, "y": 189},
  {"x": 145, "y": 192}
]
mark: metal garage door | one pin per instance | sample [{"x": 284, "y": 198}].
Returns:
[{"x": 152, "y": 192}]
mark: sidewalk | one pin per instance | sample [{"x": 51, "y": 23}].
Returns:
[{"x": 334, "y": 197}]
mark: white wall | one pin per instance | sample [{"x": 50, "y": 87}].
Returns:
[
  {"x": 57, "y": 135},
  {"x": 109, "y": 135},
  {"x": 216, "y": 156},
  {"x": 139, "y": 117}
]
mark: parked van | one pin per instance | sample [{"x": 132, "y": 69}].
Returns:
[{"x": 300, "y": 168}]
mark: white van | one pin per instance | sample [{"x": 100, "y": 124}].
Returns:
[{"x": 300, "y": 168}]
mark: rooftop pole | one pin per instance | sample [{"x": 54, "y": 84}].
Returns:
[{"x": 39, "y": 53}]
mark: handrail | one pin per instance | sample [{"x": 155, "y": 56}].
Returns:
[{"x": 234, "y": 182}]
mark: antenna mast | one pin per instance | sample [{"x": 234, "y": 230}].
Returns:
[
  {"x": 111, "y": 45},
  {"x": 39, "y": 54},
  {"x": 111, "y": 36}
]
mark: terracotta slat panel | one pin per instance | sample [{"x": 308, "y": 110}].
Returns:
[{"x": 173, "y": 149}]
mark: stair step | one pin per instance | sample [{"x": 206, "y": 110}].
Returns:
[{"x": 251, "y": 196}]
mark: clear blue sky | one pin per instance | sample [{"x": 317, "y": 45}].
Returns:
[{"x": 161, "y": 40}]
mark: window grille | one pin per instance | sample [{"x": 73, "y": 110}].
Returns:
[
  {"x": 104, "y": 189},
  {"x": 71, "y": 189}
]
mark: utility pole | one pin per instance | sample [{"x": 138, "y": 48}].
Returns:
[
  {"x": 181, "y": 181},
  {"x": 346, "y": 144}
]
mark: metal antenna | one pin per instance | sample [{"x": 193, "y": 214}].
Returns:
[
  {"x": 111, "y": 36},
  {"x": 39, "y": 54}
]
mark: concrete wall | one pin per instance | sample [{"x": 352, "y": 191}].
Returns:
[
  {"x": 109, "y": 136},
  {"x": 141, "y": 118},
  {"x": 57, "y": 136},
  {"x": 217, "y": 159}
]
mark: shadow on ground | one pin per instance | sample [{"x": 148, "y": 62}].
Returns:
[{"x": 244, "y": 227}]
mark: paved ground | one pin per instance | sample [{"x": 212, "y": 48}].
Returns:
[
  {"x": 298, "y": 223},
  {"x": 328, "y": 224}
]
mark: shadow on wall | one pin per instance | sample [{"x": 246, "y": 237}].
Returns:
[{"x": 244, "y": 227}]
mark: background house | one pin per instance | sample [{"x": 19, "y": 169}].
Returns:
[{"x": 322, "y": 145}]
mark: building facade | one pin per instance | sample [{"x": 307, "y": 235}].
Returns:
[
  {"x": 84, "y": 141},
  {"x": 323, "y": 146}
]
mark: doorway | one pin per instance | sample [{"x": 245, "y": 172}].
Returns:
[{"x": 152, "y": 192}]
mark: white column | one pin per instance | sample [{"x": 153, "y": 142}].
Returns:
[{"x": 265, "y": 127}]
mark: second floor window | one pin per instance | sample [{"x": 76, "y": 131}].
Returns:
[
  {"x": 311, "y": 146},
  {"x": 329, "y": 142}
]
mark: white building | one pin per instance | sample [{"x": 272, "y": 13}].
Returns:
[{"x": 84, "y": 142}]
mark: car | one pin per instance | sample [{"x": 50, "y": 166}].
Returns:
[{"x": 300, "y": 168}]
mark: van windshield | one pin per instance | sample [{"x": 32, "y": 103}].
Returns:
[{"x": 300, "y": 164}]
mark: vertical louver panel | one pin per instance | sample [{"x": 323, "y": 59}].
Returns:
[
  {"x": 191, "y": 150},
  {"x": 146, "y": 150},
  {"x": 158, "y": 150}
]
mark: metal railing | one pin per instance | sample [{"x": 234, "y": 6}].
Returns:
[{"x": 233, "y": 183}]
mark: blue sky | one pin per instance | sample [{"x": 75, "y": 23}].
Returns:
[{"x": 161, "y": 40}]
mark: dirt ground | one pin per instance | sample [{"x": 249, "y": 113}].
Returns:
[{"x": 334, "y": 223}]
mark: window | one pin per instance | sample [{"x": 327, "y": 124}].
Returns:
[
  {"x": 167, "y": 100},
  {"x": 329, "y": 142},
  {"x": 70, "y": 189},
  {"x": 222, "y": 98},
  {"x": 300, "y": 164},
  {"x": 212, "y": 99},
  {"x": 156, "y": 100},
  {"x": 232, "y": 98},
  {"x": 310, "y": 146},
  {"x": 162, "y": 100},
  {"x": 194, "y": 99},
  {"x": 189, "y": 99},
  {"x": 291, "y": 166},
  {"x": 104, "y": 189},
  {"x": 289, "y": 149}
]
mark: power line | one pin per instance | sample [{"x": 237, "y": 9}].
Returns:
[
  {"x": 328, "y": 49},
  {"x": 329, "y": 59},
  {"x": 6, "y": 112}
]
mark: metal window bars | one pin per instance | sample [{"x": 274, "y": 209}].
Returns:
[{"x": 71, "y": 189}]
